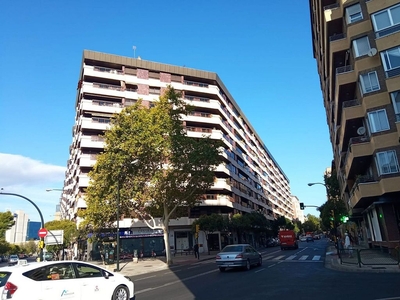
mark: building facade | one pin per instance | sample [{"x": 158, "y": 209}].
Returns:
[
  {"x": 18, "y": 232},
  {"x": 249, "y": 180},
  {"x": 357, "y": 48}
]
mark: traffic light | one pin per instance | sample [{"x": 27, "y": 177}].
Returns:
[
  {"x": 302, "y": 206},
  {"x": 344, "y": 219},
  {"x": 41, "y": 244}
]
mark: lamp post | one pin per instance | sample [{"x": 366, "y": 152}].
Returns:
[
  {"x": 40, "y": 214},
  {"x": 333, "y": 211}
]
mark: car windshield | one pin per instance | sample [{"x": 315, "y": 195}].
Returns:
[
  {"x": 4, "y": 277},
  {"x": 233, "y": 248},
  {"x": 13, "y": 256}
]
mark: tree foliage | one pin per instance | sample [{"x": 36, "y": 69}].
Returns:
[
  {"x": 171, "y": 170},
  {"x": 334, "y": 202},
  {"x": 6, "y": 222},
  {"x": 312, "y": 224}
]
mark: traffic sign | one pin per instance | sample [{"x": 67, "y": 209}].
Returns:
[{"x": 42, "y": 232}]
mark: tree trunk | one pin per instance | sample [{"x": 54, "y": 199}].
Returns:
[{"x": 166, "y": 242}]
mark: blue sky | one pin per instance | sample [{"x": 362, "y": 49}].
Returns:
[{"x": 260, "y": 49}]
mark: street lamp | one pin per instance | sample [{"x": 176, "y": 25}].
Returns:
[
  {"x": 134, "y": 162},
  {"x": 333, "y": 211}
]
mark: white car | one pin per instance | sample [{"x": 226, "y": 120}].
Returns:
[
  {"x": 303, "y": 239},
  {"x": 53, "y": 280}
]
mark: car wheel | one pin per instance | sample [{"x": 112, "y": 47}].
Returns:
[
  {"x": 259, "y": 262},
  {"x": 121, "y": 293},
  {"x": 222, "y": 269},
  {"x": 248, "y": 266}
]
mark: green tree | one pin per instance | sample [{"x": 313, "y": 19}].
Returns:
[
  {"x": 209, "y": 224},
  {"x": 172, "y": 171},
  {"x": 312, "y": 224},
  {"x": 70, "y": 233},
  {"x": 333, "y": 204},
  {"x": 6, "y": 222},
  {"x": 30, "y": 247}
]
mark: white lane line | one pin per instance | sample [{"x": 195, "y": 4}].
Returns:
[
  {"x": 175, "y": 282},
  {"x": 268, "y": 257},
  {"x": 291, "y": 257},
  {"x": 304, "y": 257},
  {"x": 259, "y": 270},
  {"x": 279, "y": 257},
  {"x": 146, "y": 278},
  {"x": 316, "y": 257}
]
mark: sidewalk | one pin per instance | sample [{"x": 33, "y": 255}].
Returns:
[
  {"x": 148, "y": 265},
  {"x": 332, "y": 261}
]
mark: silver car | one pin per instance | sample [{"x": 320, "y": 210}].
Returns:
[
  {"x": 238, "y": 255},
  {"x": 13, "y": 259}
]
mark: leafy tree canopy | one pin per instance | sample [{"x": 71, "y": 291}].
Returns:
[{"x": 6, "y": 222}]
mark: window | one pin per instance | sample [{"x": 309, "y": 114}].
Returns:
[
  {"x": 391, "y": 61},
  {"x": 353, "y": 13},
  {"x": 361, "y": 46},
  {"x": 378, "y": 120},
  {"x": 369, "y": 82},
  {"x": 396, "y": 104},
  {"x": 387, "y": 162},
  {"x": 51, "y": 272},
  {"x": 88, "y": 271},
  {"x": 387, "y": 21}
]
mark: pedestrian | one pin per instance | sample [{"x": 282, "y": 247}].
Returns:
[
  {"x": 196, "y": 251},
  {"x": 347, "y": 245}
]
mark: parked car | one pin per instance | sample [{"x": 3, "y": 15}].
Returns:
[
  {"x": 51, "y": 280},
  {"x": 238, "y": 256},
  {"x": 303, "y": 239},
  {"x": 309, "y": 239},
  {"x": 13, "y": 259}
]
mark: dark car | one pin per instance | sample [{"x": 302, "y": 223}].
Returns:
[{"x": 309, "y": 239}]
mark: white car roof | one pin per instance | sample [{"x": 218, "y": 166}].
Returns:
[{"x": 24, "y": 266}]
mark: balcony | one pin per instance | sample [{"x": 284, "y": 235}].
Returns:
[
  {"x": 368, "y": 187},
  {"x": 359, "y": 148},
  {"x": 332, "y": 12},
  {"x": 100, "y": 106},
  {"x": 93, "y": 141}
]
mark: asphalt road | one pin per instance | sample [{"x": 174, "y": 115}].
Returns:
[{"x": 288, "y": 274}]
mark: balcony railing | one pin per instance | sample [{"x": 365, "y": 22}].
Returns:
[
  {"x": 194, "y": 83},
  {"x": 338, "y": 36},
  {"x": 331, "y": 6},
  {"x": 350, "y": 103},
  {"x": 191, "y": 98},
  {"x": 392, "y": 73},
  {"x": 344, "y": 69},
  {"x": 359, "y": 140},
  {"x": 107, "y": 86},
  {"x": 108, "y": 70},
  {"x": 387, "y": 31}
]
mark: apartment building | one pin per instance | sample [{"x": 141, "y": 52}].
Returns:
[
  {"x": 18, "y": 232},
  {"x": 249, "y": 180},
  {"x": 357, "y": 48}
]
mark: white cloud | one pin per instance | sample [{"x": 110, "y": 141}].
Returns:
[{"x": 30, "y": 178}]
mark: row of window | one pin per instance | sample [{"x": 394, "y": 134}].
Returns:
[{"x": 385, "y": 21}]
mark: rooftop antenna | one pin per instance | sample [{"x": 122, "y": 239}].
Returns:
[{"x": 134, "y": 51}]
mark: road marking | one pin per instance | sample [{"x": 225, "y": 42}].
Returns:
[
  {"x": 174, "y": 282},
  {"x": 146, "y": 277},
  {"x": 316, "y": 257},
  {"x": 291, "y": 257},
  {"x": 304, "y": 257},
  {"x": 279, "y": 257},
  {"x": 259, "y": 270},
  {"x": 268, "y": 257}
]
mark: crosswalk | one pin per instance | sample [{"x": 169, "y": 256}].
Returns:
[{"x": 302, "y": 258}]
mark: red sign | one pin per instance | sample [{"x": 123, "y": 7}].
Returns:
[{"x": 42, "y": 232}]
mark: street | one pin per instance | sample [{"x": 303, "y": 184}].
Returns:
[{"x": 288, "y": 274}]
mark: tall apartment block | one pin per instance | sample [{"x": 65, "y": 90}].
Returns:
[
  {"x": 357, "y": 48},
  {"x": 249, "y": 180}
]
